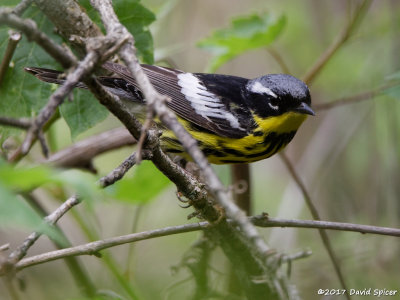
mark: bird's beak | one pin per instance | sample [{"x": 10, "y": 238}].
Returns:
[{"x": 304, "y": 108}]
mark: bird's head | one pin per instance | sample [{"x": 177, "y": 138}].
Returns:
[{"x": 277, "y": 94}]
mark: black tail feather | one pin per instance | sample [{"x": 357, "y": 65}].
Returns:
[{"x": 51, "y": 76}]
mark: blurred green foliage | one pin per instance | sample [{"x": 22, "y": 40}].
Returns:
[
  {"x": 246, "y": 33},
  {"x": 14, "y": 213},
  {"x": 144, "y": 185}
]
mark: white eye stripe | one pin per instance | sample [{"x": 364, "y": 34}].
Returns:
[
  {"x": 274, "y": 107},
  {"x": 258, "y": 88}
]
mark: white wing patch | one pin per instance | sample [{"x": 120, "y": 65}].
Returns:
[
  {"x": 258, "y": 88},
  {"x": 205, "y": 104}
]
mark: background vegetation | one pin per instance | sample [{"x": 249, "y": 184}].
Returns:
[{"x": 347, "y": 155}]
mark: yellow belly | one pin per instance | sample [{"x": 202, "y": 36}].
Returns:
[{"x": 270, "y": 136}]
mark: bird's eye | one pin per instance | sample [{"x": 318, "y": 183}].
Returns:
[{"x": 274, "y": 104}]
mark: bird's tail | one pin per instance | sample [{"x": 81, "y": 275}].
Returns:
[
  {"x": 51, "y": 76},
  {"x": 115, "y": 85}
]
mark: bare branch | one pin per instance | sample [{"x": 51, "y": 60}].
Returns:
[
  {"x": 80, "y": 154},
  {"x": 75, "y": 25},
  {"x": 19, "y": 123},
  {"x": 121, "y": 170},
  {"x": 29, "y": 28},
  {"x": 4, "y": 247},
  {"x": 339, "y": 41},
  {"x": 43, "y": 143},
  {"x": 94, "y": 248},
  {"x": 51, "y": 219},
  {"x": 86, "y": 66},
  {"x": 21, "y": 7},
  {"x": 13, "y": 40},
  {"x": 265, "y": 221},
  {"x": 353, "y": 99},
  {"x": 279, "y": 59},
  {"x": 314, "y": 212}
]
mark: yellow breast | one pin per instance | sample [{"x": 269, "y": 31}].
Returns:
[{"x": 270, "y": 136}]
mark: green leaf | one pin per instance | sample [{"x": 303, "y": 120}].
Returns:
[
  {"x": 83, "y": 112},
  {"x": 10, "y": 3},
  {"x": 246, "y": 33},
  {"x": 24, "y": 178},
  {"x": 83, "y": 183},
  {"x": 13, "y": 212},
  {"x": 29, "y": 178},
  {"x": 393, "y": 92},
  {"x": 21, "y": 95},
  {"x": 145, "y": 184},
  {"x": 136, "y": 18}
]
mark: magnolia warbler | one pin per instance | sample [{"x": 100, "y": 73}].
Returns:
[{"x": 233, "y": 119}]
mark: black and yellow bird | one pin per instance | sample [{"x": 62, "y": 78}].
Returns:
[{"x": 233, "y": 119}]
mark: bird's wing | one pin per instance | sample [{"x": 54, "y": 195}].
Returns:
[{"x": 211, "y": 102}]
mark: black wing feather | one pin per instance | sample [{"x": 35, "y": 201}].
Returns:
[{"x": 226, "y": 88}]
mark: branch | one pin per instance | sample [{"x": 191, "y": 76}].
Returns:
[
  {"x": 314, "y": 212},
  {"x": 29, "y": 28},
  {"x": 21, "y": 7},
  {"x": 352, "y": 99},
  {"x": 339, "y": 41},
  {"x": 71, "y": 21},
  {"x": 265, "y": 221},
  {"x": 13, "y": 40},
  {"x": 18, "y": 123},
  {"x": 121, "y": 170},
  {"x": 93, "y": 248},
  {"x": 51, "y": 219},
  {"x": 80, "y": 154},
  {"x": 84, "y": 67}
]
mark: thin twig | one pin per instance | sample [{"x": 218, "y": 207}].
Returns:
[
  {"x": 71, "y": 21},
  {"x": 339, "y": 41},
  {"x": 51, "y": 219},
  {"x": 80, "y": 154},
  {"x": 19, "y": 123},
  {"x": 121, "y": 170},
  {"x": 296, "y": 256},
  {"x": 279, "y": 59},
  {"x": 314, "y": 212},
  {"x": 29, "y": 28},
  {"x": 84, "y": 67},
  {"x": 43, "y": 144},
  {"x": 93, "y": 248},
  {"x": 265, "y": 221},
  {"x": 21, "y": 7},
  {"x": 13, "y": 40},
  {"x": 353, "y": 99},
  {"x": 145, "y": 128},
  {"x": 4, "y": 247},
  {"x": 78, "y": 272}
]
